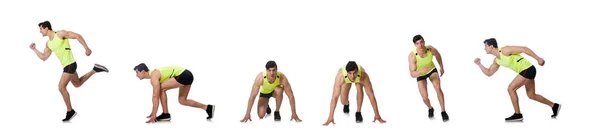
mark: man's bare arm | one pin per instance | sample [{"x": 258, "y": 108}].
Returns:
[
  {"x": 288, "y": 91},
  {"x": 254, "y": 92}
]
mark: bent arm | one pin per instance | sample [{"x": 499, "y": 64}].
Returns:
[
  {"x": 73, "y": 35},
  {"x": 369, "y": 89},
  {"x": 288, "y": 91},
  {"x": 438, "y": 57},
  {"x": 520, "y": 49},
  {"x": 491, "y": 70},
  {"x": 253, "y": 93},
  {"x": 45, "y": 55},
  {"x": 412, "y": 66}
]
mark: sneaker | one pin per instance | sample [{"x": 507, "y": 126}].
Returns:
[
  {"x": 359, "y": 118},
  {"x": 70, "y": 115},
  {"x": 445, "y": 116},
  {"x": 555, "y": 110},
  {"x": 277, "y": 116},
  {"x": 100, "y": 68},
  {"x": 347, "y": 109},
  {"x": 210, "y": 110},
  {"x": 164, "y": 117},
  {"x": 515, "y": 117},
  {"x": 430, "y": 113},
  {"x": 268, "y": 109}
]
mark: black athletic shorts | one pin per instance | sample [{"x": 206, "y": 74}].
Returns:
[
  {"x": 185, "y": 78},
  {"x": 529, "y": 73},
  {"x": 426, "y": 76},
  {"x": 262, "y": 95},
  {"x": 71, "y": 68}
]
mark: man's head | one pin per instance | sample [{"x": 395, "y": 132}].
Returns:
[
  {"x": 419, "y": 42},
  {"x": 271, "y": 67},
  {"x": 352, "y": 69},
  {"x": 45, "y": 27},
  {"x": 490, "y": 44},
  {"x": 141, "y": 70}
]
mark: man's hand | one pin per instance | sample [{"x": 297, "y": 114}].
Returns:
[
  {"x": 441, "y": 72},
  {"x": 295, "y": 118},
  {"x": 246, "y": 118},
  {"x": 152, "y": 119},
  {"x": 541, "y": 61},
  {"x": 330, "y": 120},
  {"x": 477, "y": 61},
  {"x": 32, "y": 46},
  {"x": 88, "y": 51}
]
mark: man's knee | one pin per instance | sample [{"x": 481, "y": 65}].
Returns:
[
  {"x": 182, "y": 101},
  {"x": 62, "y": 89}
]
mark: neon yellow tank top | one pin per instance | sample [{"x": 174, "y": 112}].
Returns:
[
  {"x": 345, "y": 73},
  {"x": 62, "y": 50},
  {"x": 266, "y": 87},
  {"x": 514, "y": 62},
  {"x": 169, "y": 72},
  {"x": 427, "y": 61}
]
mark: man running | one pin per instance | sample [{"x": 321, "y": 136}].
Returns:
[
  {"x": 510, "y": 57},
  {"x": 353, "y": 73},
  {"x": 166, "y": 78},
  {"x": 272, "y": 83},
  {"x": 421, "y": 66},
  {"x": 58, "y": 42}
]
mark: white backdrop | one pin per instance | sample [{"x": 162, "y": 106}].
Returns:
[{"x": 226, "y": 43}]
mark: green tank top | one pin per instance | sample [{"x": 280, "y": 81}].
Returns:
[
  {"x": 62, "y": 49},
  {"x": 266, "y": 87},
  {"x": 345, "y": 73},
  {"x": 514, "y": 62},
  {"x": 169, "y": 72},
  {"x": 427, "y": 61}
]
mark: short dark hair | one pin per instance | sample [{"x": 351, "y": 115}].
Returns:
[
  {"x": 417, "y": 38},
  {"x": 271, "y": 64},
  {"x": 141, "y": 67},
  {"x": 351, "y": 66},
  {"x": 45, "y": 24},
  {"x": 492, "y": 42}
]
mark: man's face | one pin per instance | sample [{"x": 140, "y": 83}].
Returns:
[
  {"x": 420, "y": 44},
  {"x": 352, "y": 75},
  {"x": 43, "y": 31},
  {"x": 140, "y": 74},
  {"x": 271, "y": 72},
  {"x": 488, "y": 49}
]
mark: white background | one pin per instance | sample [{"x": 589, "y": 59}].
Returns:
[{"x": 226, "y": 43}]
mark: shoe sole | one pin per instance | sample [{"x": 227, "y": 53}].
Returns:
[
  {"x": 101, "y": 67},
  {"x": 212, "y": 112},
  {"x": 168, "y": 119},
  {"x": 515, "y": 120}
]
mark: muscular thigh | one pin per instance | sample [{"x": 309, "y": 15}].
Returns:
[
  {"x": 346, "y": 88},
  {"x": 170, "y": 84}
]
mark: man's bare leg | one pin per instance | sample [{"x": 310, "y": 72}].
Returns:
[
  {"x": 530, "y": 87},
  {"x": 435, "y": 80},
  {"x": 78, "y": 81},
  {"x": 261, "y": 107},
  {"x": 62, "y": 88},
  {"x": 422, "y": 84},
  {"x": 517, "y": 83},
  {"x": 278, "y": 100},
  {"x": 345, "y": 92}
]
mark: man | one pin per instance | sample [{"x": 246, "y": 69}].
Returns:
[
  {"x": 272, "y": 83},
  {"x": 421, "y": 66},
  {"x": 353, "y": 73},
  {"x": 58, "y": 42},
  {"x": 510, "y": 57},
  {"x": 166, "y": 78}
]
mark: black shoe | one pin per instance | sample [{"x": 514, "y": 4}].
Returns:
[
  {"x": 268, "y": 109},
  {"x": 359, "y": 117},
  {"x": 347, "y": 109},
  {"x": 515, "y": 117},
  {"x": 70, "y": 115},
  {"x": 555, "y": 110},
  {"x": 277, "y": 116},
  {"x": 210, "y": 110},
  {"x": 164, "y": 117},
  {"x": 100, "y": 68},
  {"x": 430, "y": 113},
  {"x": 445, "y": 116}
]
